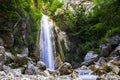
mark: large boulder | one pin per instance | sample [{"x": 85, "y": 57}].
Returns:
[
  {"x": 41, "y": 65},
  {"x": 90, "y": 58},
  {"x": 2, "y": 56},
  {"x": 90, "y": 55},
  {"x": 65, "y": 69}
]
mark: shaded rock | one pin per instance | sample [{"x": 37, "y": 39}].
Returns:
[
  {"x": 66, "y": 68},
  {"x": 21, "y": 59},
  {"x": 101, "y": 61},
  {"x": 90, "y": 58},
  {"x": 105, "y": 49},
  {"x": 116, "y": 52},
  {"x": 1, "y": 42},
  {"x": 41, "y": 65},
  {"x": 8, "y": 39},
  {"x": 2, "y": 56},
  {"x": 114, "y": 40}
]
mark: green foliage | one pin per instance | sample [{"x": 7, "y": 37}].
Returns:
[
  {"x": 50, "y": 6},
  {"x": 21, "y": 13},
  {"x": 87, "y": 31}
]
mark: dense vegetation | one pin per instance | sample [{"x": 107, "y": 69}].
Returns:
[
  {"x": 21, "y": 18},
  {"x": 87, "y": 30}
]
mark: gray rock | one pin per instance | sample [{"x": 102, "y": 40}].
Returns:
[
  {"x": 30, "y": 69},
  {"x": 25, "y": 51},
  {"x": 2, "y": 56},
  {"x": 90, "y": 58},
  {"x": 90, "y": 55},
  {"x": 6, "y": 68},
  {"x": 65, "y": 69},
  {"x": 41, "y": 65}
]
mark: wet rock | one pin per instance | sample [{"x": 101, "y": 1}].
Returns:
[
  {"x": 41, "y": 65},
  {"x": 90, "y": 58},
  {"x": 65, "y": 69},
  {"x": 2, "y": 56}
]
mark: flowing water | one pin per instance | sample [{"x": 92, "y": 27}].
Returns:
[
  {"x": 87, "y": 75},
  {"x": 46, "y": 53}
]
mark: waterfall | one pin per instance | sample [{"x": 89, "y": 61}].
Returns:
[{"x": 46, "y": 53}]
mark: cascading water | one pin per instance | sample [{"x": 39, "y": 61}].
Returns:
[{"x": 46, "y": 43}]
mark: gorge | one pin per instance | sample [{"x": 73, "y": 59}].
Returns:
[{"x": 59, "y": 40}]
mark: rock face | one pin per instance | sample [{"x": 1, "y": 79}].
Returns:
[
  {"x": 66, "y": 68},
  {"x": 111, "y": 45},
  {"x": 2, "y": 56}
]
